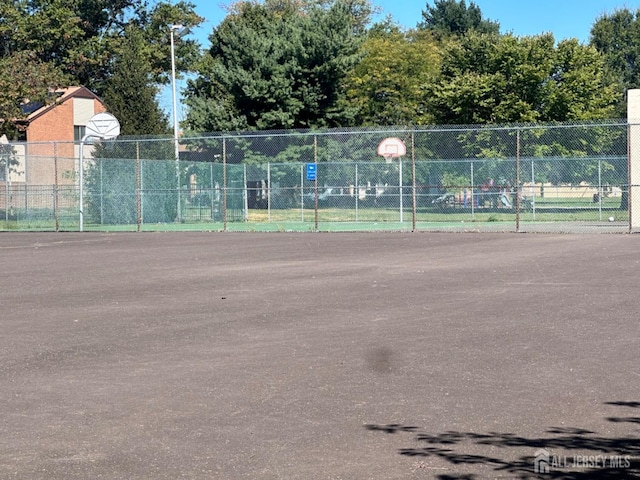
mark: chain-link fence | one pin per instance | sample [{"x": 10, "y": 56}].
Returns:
[{"x": 563, "y": 177}]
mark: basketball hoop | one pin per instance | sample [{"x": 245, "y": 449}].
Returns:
[{"x": 391, "y": 148}]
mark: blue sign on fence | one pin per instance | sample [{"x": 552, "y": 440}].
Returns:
[{"x": 312, "y": 172}]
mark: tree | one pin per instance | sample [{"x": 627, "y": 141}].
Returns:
[
  {"x": 386, "y": 87},
  {"x": 617, "y": 37},
  {"x": 579, "y": 87},
  {"x": 82, "y": 37},
  {"x": 24, "y": 79},
  {"x": 130, "y": 94},
  {"x": 453, "y": 17},
  {"x": 276, "y": 65},
  {"x": 489, "y": 79}
]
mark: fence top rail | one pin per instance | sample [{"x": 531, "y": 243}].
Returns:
[
  {"x": 554, "y": 158},
  {"x": 385, "y": 131},
  {"x": 299, "y": 164},
  {"x": 404, "y": 129}
]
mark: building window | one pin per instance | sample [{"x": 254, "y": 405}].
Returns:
[{"x": 79, "y": 132}]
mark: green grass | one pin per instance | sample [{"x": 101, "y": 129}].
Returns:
[{"x": 342, "y": 219}]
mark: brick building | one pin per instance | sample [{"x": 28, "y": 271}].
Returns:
[{"x": 52, "y": 134}]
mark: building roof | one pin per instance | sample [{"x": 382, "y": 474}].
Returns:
[{"x": 36, "y": 109}]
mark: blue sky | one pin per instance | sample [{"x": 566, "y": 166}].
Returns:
[{"x": 563, "y": 18}]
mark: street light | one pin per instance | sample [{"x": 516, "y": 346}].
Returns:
[{"x": 176, "y": 145}]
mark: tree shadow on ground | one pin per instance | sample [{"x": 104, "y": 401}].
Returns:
[{"x": 566, "y": 453}]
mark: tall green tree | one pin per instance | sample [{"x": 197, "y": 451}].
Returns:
[
  {"x": 579, "y": 87},
  {"x": 24, "y": 79},
  {"x": 386, "y": 87},
  {"x": 82, "y": 37},
  {"x": 454, "y": 17},
  {"x": 130, "y": 94},
  {"x": 617, "y": 37},
  {"x": 277, "y": 64},
  {"x": 501, "y": 79}
]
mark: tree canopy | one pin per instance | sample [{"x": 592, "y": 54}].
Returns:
[
  {"x": 617, "y": 37},
  {"x": 288, "y": 64},
  {"x": 489, "y": 79},
  {"x": 277, "y": 64},
  {"x": 24, "y": 79},
  {"x": 81, "y": 36},
  {"x": 387, "y": 86},
  {"x": 454, "y": 17},
  {"x": 78, "y": 42},
  {"x": 130, "y": 95}
]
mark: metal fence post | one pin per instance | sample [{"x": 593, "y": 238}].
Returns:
[
  {"x": 138, "y": 192},
  {"x": 629, "y": 172},
  {"x": 518, "y": 192},
  {"x": 27, "y": 166},
  {"x": 357, "y": 190},
  {"x": 533, "y": 191},
  {"x": 400, "y": 187},
  {"x": 473, "y": 195},
  {"x": 101, "y": 193},
  {"x": 55, "y": 187},
  {"x": 302, "y": 192},
  {"x": 6, "y": 190},
  {"x": 178, "y": 180},
  {"x": 213, "y": 192},
  {"x": 224, "y": 184},
  {"x": 413, "y": 184},
  {"x": 245, "y": 194},
  {"x": 315, "y": 183},
  {"x": 600, "y": 189},
  {"x": 80, "y": 182}
]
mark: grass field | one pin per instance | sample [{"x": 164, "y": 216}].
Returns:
[{"x": 550, "y": 211}]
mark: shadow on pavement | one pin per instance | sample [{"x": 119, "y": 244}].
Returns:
[{"x": 566, "y": 454}]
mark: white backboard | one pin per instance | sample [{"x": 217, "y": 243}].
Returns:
[{"x": 103, "y": 125}]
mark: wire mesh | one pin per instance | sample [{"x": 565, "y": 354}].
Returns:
[{"x": 517, "y": 178}]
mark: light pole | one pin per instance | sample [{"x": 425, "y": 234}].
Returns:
[{"x": 176, "y": 145}]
